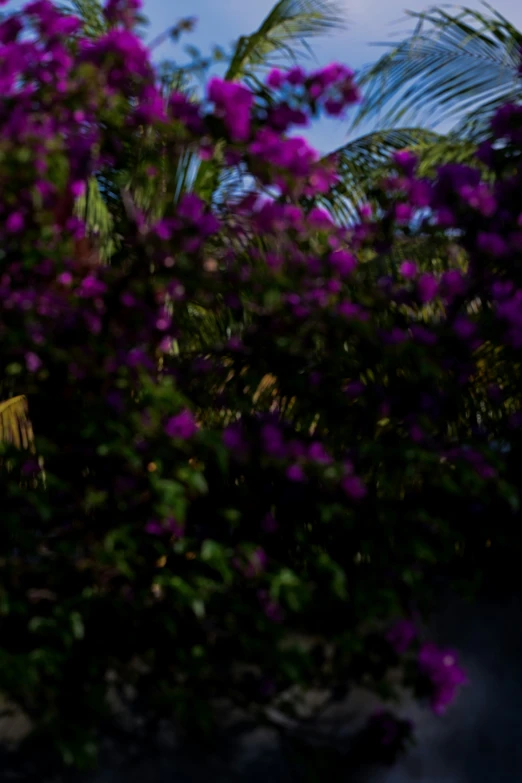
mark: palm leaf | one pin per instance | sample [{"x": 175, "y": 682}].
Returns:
[
  {"x": 91, "y": 14},
  {"x": 455, "y": 67},
  {"x": 93, "y": 210},
  {"x": 283, "y": 35},
  {"x": 446, "y": 149},
  {"x": 15, "y": 425},
  {"x": 363, "y": 162}
]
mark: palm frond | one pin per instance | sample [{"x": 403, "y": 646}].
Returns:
[
  {"x": 446, "y": 149},
  {"x": 93, "y": 210},
  {"x": 363, "y": 162},
  {"x": 91, "y": 14},
  {"x": 454, "y": 67},
  {"x": 15, "y": 425},
  {"x": 283, "y": 35}
]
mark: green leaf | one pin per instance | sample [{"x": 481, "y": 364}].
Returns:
[
  {"x": 217, "y": 556},
  {"x": 457, "y": 67},
  {"x": 90, "y": 12},
  {"x": 77, "y": 625},
  {"x": 194, "y": 479},
  {"x": 283, "y": 35},
  {"x": 94, "y": 211},
  {"x": 363, "y": 162},
  {"x": 198, "y": 608}
]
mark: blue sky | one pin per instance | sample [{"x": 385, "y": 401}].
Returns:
[{"x": 223, "y": 21}]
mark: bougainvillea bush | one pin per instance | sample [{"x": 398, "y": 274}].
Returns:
[{"x": 236, "y": 517}]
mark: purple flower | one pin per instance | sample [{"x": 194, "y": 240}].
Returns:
[
  {"x": 406, "y": 161},
  {"x": 275, "y": 79},
  {"x": 445, "y": 217},
  {"x": 408, "y": 269},
  {"x": 343, "y": 261},
  {"x": 321, "y": 181},
  {"x": 65, "y": 278},
  {"x": 154, "y": 528},
  {"x": 354, "y": 389},
  {"x": 485, "y": 153},
  {"x": 295, "y": 473},
  {"x": 170, "y": 526},
  {"x": 32, "y": 361},
  {"x": 296, "y": 76},
  {"x": 10, "y": 28},
  {"x": 30, "y": 467},
  {"x": 233, "y": 103},
  {"x": 401, "y": 635},
  {"x": 334, "y": 108},
  {"x": 187, "y": 112},
  {"x": 352, "y": 310},
  {"x": 403, "y": 213},
  {"x": 137, "y": 358},
  {"x": 271, "y": 609},
  {"x": 416, "y": 434},
  {"x": 273, "y": 441},
  {"x": 269, "y": 524},
  {"x": 182, "y": 426},
  {"x": 419, "y": 193},
  {"x": 354, "y": 487},
  {"x": 257, "y": 563},
  {"x": 427, "y": 286},
  {"x": 445, "y": 675},
  {"x": 464, "y": 328},
  {"x": 318, "y": 453},
  {"x": 122, "y": 12},
  {"x": 453, "y": 282},
  {"x": 319, "y": 218},
  {"x": 91, "y": 287},
  {"x": 15, "y": 222},
  {"x": 282, "y": 116},
  {"x": 331, "y": 74},
  {"x": 492, "y": 244},
  {"x": 233, "y": 438}
]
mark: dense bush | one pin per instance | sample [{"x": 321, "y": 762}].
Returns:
[{"x": 232, "y": 517}]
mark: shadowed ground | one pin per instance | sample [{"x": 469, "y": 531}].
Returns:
[{"x": 479, "y": 739}]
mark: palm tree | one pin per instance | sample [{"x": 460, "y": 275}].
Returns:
[
  {"x": 282, "y": 37},
  {"x": 455, "y": 67},
  {"x": 15, "y": 427}
]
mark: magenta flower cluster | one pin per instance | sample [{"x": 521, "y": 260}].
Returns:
[
  {"x": 164, "y": 442},
  {"x": 438, "y": 666},
  {"x": 401, "y": 635},
  {"x": 445, "y": 676}
]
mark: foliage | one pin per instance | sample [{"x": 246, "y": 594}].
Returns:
[
  {"x": 290, "y": 22},
  {"x": 459, "y": 66},
  {"x": 237, "y": 512},
  {"x": 364, "y": 162},
  {"x": 15, "y": 427}
]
